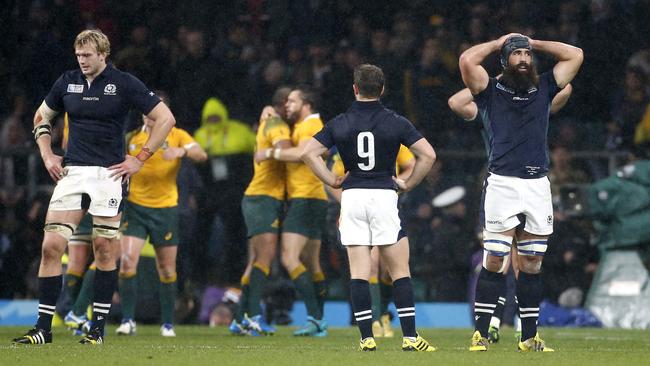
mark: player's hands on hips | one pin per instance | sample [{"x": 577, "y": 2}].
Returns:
[
  {"x": 53, "y": 164},
  {"x": 127, "y": 168},
  {"x": 173, "y": 153},
  {"x": 401, "y": 184},
  {"x": 338, "y": 182}
]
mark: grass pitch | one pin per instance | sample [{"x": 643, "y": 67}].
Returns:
[{"x": 200, "y": 345}]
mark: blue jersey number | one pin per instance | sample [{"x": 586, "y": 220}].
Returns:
[{"x": 366, "y": 150}]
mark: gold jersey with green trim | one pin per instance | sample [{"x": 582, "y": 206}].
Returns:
[
  {"x": 404, "y": 155},
  {"x": 155, "y": 184},
  {"x": 301, "y": 181},
  {"x": 269, "y": 176}
]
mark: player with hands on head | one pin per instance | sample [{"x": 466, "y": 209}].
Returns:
[{"x": 515, "y": 109}]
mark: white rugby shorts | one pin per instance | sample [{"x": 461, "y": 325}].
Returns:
[
  {"x": 507, "y": 197},
  {"x": 369, "y": 217},
  {"x": 105, "y": 193}
]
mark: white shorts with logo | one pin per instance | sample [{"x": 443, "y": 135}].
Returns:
[
  {"x": 369, "y": 217},
  {"x": 507, "y": 197},
  {"x": 104, "y": 192}
]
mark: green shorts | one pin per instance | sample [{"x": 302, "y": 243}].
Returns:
[
  {"x": 159, "y": 224},
  {"x": 306, "y": 216},
  {"x": 262, "y": 214},
  {"x": 83, "y": 235}
]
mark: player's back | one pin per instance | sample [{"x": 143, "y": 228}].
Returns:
[
  {"x": 368, "y": 137},
  {"x": 269, "y": 175}
]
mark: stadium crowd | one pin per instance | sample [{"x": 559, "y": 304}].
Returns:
[{"x": 221, "y": 63}]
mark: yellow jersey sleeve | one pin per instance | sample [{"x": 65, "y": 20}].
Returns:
[
  {"x": 404, "y": 155},
  {"x": 308, "y": 130},
  {"x": 276, "y": 130},
  {"x": 184, "y": 138},
  {"x": 337, "y": 167}
]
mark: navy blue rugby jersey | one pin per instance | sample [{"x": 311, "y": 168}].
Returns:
[
  {"x": 97, "y": 114},
  {"x": 516, "y": 126},
  {"x": 368, "y": 137}
]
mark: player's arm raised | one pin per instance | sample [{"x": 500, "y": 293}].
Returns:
[
  {"x": 474, "y": 75},
  {"x": 163, "y": 123},
  {"x": 425, "y": 156},
  {"x": 462, "y": 104},
  {"x": 311, "y": 154},
  {"x": 43, "y": 135},
  {"x": 561, "y": 99},
  {"x": 569, "y": 59}
]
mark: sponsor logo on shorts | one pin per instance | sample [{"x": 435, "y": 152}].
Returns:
[
  {"x": 112, "y": 203},
  {"x": 494, "y": 222},
  {"x": 276, "y": 223},
  {"x": 168, "y": 236},
  {"x": 110, "y": 89},
  {"x": 549, "y": 219},
  {"x": 75, "y": 88}
]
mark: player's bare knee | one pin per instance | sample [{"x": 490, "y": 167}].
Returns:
[
  {"x": 530, "y": 253},
  {"x": 128, "y": 263},
  {"x": 530, "y": 264},
  {"x": 51, "y": 252},
  {"x": 494, "y": 264},
  {"x": 166, "y": 273}
]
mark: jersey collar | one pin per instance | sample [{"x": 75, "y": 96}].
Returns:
[{"x": 366, "y": 105}]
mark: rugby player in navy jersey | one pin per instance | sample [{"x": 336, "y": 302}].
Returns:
[
  {"x": 368, "y": 137},
  {"x": 463, "y": 105},
  {"x": 515, "y": 111},
  {"x": 91, "y": 176}
]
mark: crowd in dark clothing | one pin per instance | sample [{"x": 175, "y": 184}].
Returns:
[{"x": 241, "y": 51}]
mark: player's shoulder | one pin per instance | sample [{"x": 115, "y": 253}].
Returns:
[
  {"x": 71, "y": 76},
  {"x": 338, "y": 119},
  {"x": 121, "y": 76},
  {"x": 391, "y": 114}
]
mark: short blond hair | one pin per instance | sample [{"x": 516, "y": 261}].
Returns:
[{"x": 94, "y": 37}]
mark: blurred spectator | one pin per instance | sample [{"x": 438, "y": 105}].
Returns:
[
  {"x": 229, "y": 145},
  {"x": 570, "y": 261},
  {"x": 563, "y": 170},
  {"x": 628, "y": 107},
  {"x": 193, "y": 79},
  {"x": 452, "y": 246},
  {"x": 428, "y": 84},
  {"x": 138, "y": 56}
]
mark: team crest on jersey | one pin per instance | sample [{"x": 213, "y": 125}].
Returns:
[
  {"x": 75, "y": 88},
  {"x": 110, "y": 89}
]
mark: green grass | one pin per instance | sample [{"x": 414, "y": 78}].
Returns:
[{"x": 200, "y": 345}]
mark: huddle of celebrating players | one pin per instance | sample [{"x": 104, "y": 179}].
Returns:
[{"x": 286, "y": 200}]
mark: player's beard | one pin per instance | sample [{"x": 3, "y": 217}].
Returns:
[
  {"x": 518, "y": 80},
  {"x": 292, "y": 118}
]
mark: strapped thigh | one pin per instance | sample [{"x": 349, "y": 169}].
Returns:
[{"x": 105, "y": 228}]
